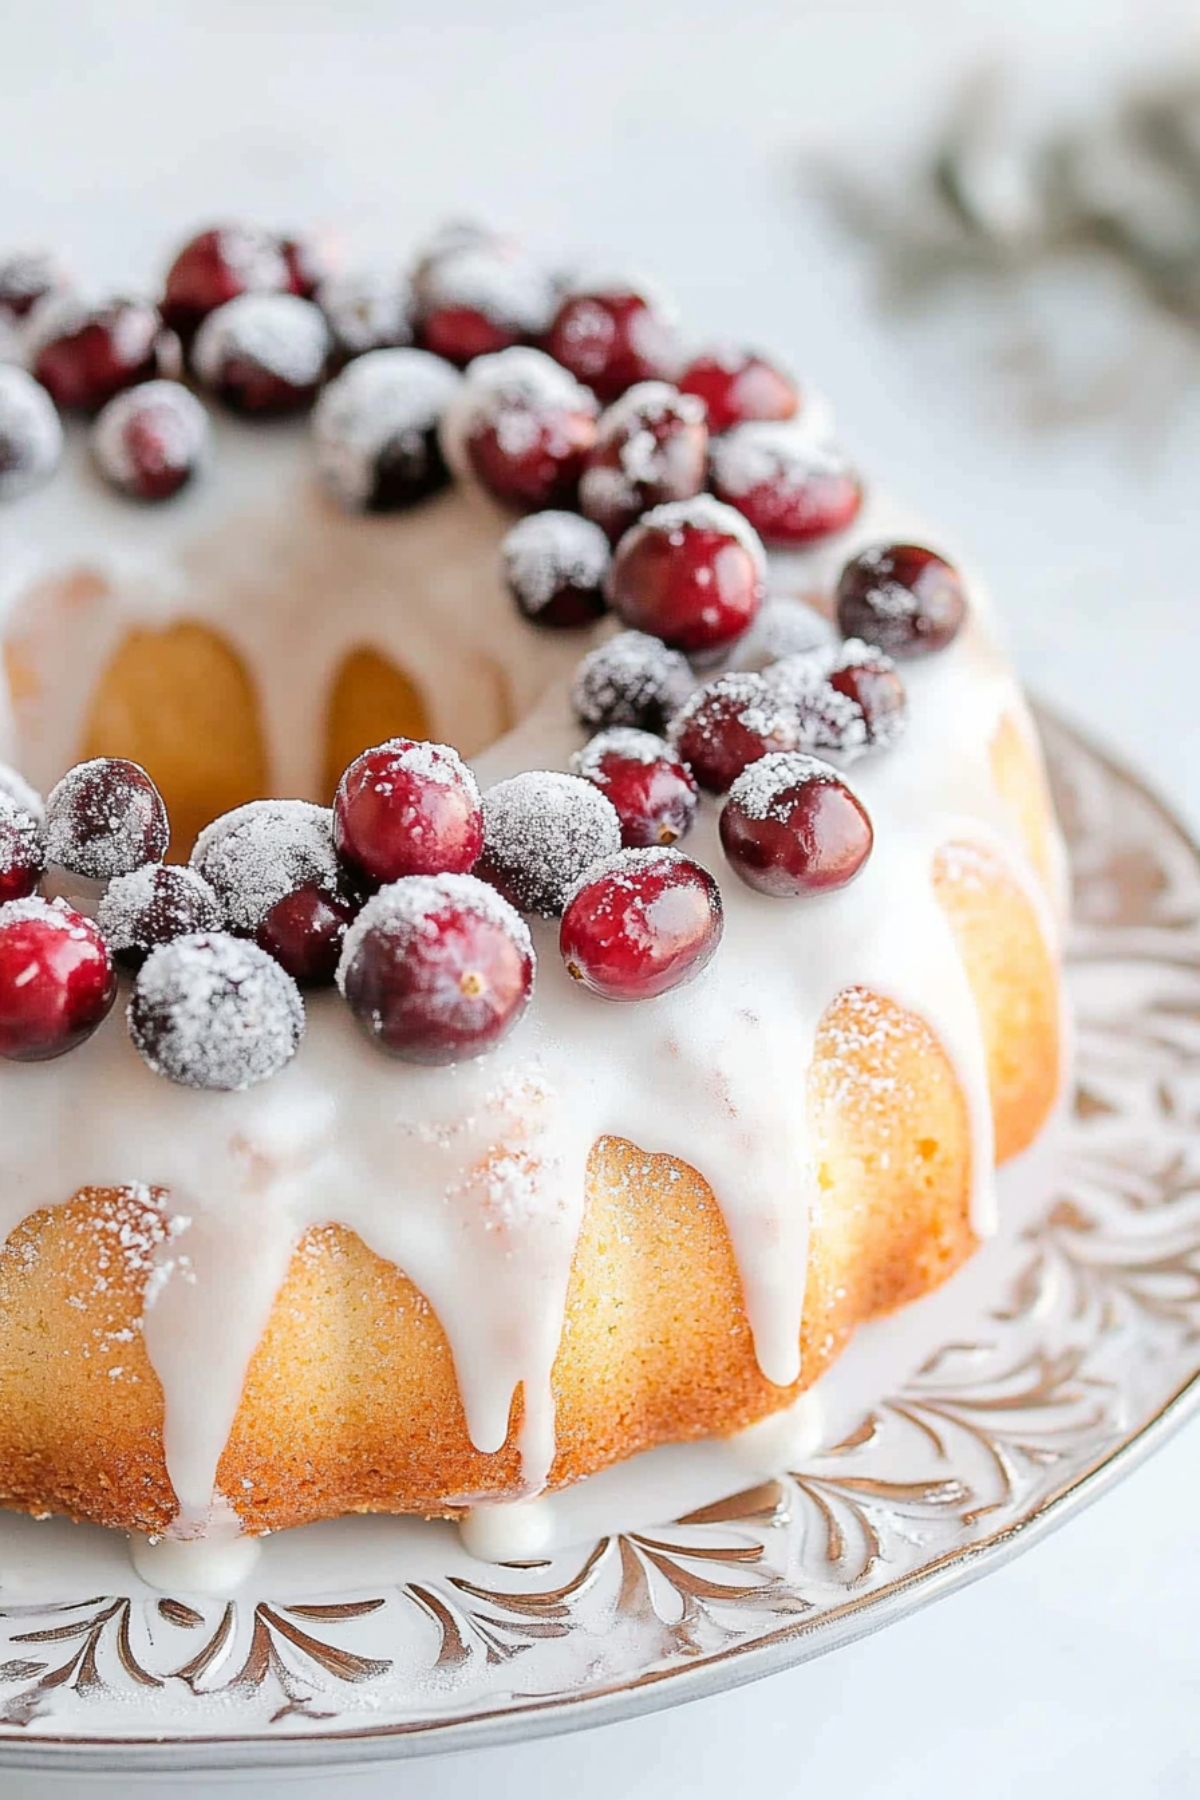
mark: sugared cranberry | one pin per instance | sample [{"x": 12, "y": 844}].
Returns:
[
  {"x": 632, "y": 679},
  {"x": 26, "y": 278},
  {"x": 738, "y": 386},
  {"x": 57, "y": 981},
  {"x": 408, "y": 808},
  {"x": 22, "y": 851},
  {"x": 868, "y": 678},
  {"x": 263, "y": 354},
  {"x": 105, "y": 818},
  {"x": 791, "y": 826},
  {"x": 154, "y": 905},
  {"x": 479, "y": 297},
  {"x": 30, "y": 433},
  {"x": 217, "y": 266},
  {"x": 150, "y": 441},
  {"x": 541, "y": 832},
  {"x": 262, "y": 853},
  {"x": 523, "y": 427},
  {"x": 376, "y": 430},
  {"x": 555, "y": 565},
  {"x": 908, "y": 600},
  {"x": 366, "y": 311},
  {"x": 309, "y": 264},
  {"x": 305, "y": 932},
  {"x": 212, "y": 1011},
  {"x": 611, "y": 338},
  {"x": 691, "y": 573},
  {"x": 827, "y": 719},
  {"x": 654, "y": 794},
  {"x": 651, "y": 447},
  {"x": 83, "y": 357},
  {"x": 792, "y": 485},
  {"x": 730, "y": 723},
  {"x": 437, "y": 968},
  {"x": 642, "y": 923}
]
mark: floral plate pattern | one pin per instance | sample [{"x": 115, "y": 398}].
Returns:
[{"x": 1068, "y": 1348}]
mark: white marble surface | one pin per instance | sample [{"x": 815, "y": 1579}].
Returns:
[{"x": 667, "y": 135}]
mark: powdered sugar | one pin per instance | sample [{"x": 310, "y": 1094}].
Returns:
[
  {"x": 178, "y": 420},
  {"x": 771, "y": 453},
  {"x": 491, "y": 278},
  {"x": 784, "y": 627},
  {"x": 551, "y": 550},
  {"x": 280, "y": 333},
  {"x": 386, "y": 404},
  {"x": 154, "y": 905},
  {"x": 21, "y": 844},
  {"x": 15, "y": 787},
  {"x": 30, "y": 433},
  {"x": 633, "y": 679},
  {"x": 624, "y": 741},
  {"x": 366, "y": 310},
  {"x": 408, "y": 909},
  {"x": 211, "y": 1011},
  {"x": 55, "y": 913},
  {"x": 704, "y": 512},
  {"x": 541, "y": 831},
  {"x": 759, "y": 791},
  {"x": 258, "y": 854},
  {"x": 104, "y": 818}
]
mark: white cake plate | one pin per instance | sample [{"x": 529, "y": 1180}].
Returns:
[{"x": 954, "y": 1436}]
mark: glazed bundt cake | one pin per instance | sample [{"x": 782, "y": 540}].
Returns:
[{"x": 384, "y": 1132}]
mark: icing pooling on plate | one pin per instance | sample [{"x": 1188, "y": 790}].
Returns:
[{"x": 494, "y": 1152}]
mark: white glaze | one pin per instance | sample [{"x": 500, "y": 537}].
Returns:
[{"x": 494, "y": 1152}]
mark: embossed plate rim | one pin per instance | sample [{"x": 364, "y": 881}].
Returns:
[{"x": 716, "y": 1670}]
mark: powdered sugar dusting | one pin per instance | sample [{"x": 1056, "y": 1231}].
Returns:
[
  {"x": 541, "y": 831},
  {"x": 551, "y": 550},
  {"x": 155, "y": 904},
  {"x": 704, "y": 512},
  {"x": 759, "y": 791},
  {"x": 20, "y": 837},
  {"x": 30, "y": 432},
  {"x": 367, "y": 311},
  {"x": 784, "y": 626},
  {"x": 279, "y": 332},
  {"x": 256, "y": 855},
  {"x": 15, "y": 788},
  {"x": 772, "y": 452},
  {"x": 104, "y": 818},
  {"x": 211, "y": 1011},
  {"x": 385, "y": 401},
  {"x": 179, "y": 421},
  {"x": 494, "y": 279},
  {"x": 619, "y": 740},
  {"x": 408, "y": 909}
]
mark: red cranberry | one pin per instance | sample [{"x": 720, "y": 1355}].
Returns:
[
  {"x": 216, "y": 267},
  {"x": 738, "y": 386},
  {"x": 150, "y": 441},
  {"x": 408, "y": 808},
  {"x": 376, "y": 430},
  {"x": 691, "y": 573},
  {"x": 793, "y": 487},
  {"x": 611, "y": 338},
  {"x": 654, "y": 794},
  {"x": 868, "y": 678},
  {"x": 632, "y": 679},
  {"x": 105, "y": 818},
  {"x": 154, "y": 905},
  {"x": 30, "y": 433},
  {"x": 828, "y": 720},
  {"x": 263, "y": 354},
  {"x": 366, "y": 311},
  {"x": 479, "y": 297},
  {"x": 542, "y": 831},
  {"x": 644, "y": 922},
  {"x": 651, "y": 447},
  {"x": 525, "y": 428},
  {"x": 57, "y": 981},
  {"x": 309, "y": 264},
  {"x": 26, "y": 278},
  {"x": 730, "y": 723},
  {"x": 83, "y": 358},
  {"x": 212, "y": 1011},
  {"x": 555, "y": 564},
  {"x": 437, "y": 968},
  {"x": 908, "y": 600},
  {"x": 305, "y": 932},
  {"x": 22, "y": 850},
  {"x": 791, "y": 826},
  {"x": 262, "y": 853}
]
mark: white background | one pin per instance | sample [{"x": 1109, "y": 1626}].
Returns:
[{"x": 670, "y": 137}]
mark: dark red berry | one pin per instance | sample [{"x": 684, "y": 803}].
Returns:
[
  {"x": 262, "y": 854},
  {"x": 57, "y": 981},
  {"x": 738, "y": 386},
  {"x": 309, "y": 264},
  {"x": 376, "y": 430},
  {"x": 631, "y": 679},
  {"x": 791, "y": 826},
  {"x": 644, "y": 922},
  {"x": 479, "y": 297},
  {"x": 105, "y": 818},
  {"x": 216, "y": 267},
  {"x": 22, "y": 850},
  {"x": 730, "y": 723},
  {"x": 82, "y": 358},
  {"x": 828, "y": 719},
  {"x": 524, "y": 428},
  {"x": 610, "y": 338},
  {"x": 541, "y": 832},
  {"x": 437, "y": 968},
  {"x": 691, "y": 573},
  {"x": 154, "y": 905},
  {"x": 555, "y": 565},
  {"x": 908, "y": 600},
  {"x": 305, "y": 932},
  {"x": 408, "y": 808},
  {"x": 26, "y": 278},
  {"x": 792, "y": 486},
  {"x": 654, "y": 794},
  {"x": 651, "y": 447},
  {"x": 263, "y": 354},
  {"x": 30, "y": 433},
  {"x": 213, "y": 1011},
  {"x": 868, "y": 678},
  {"x": 150, "y": 441}
]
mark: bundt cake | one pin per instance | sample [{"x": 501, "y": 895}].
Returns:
[{"x": 388, "y": 1133}]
